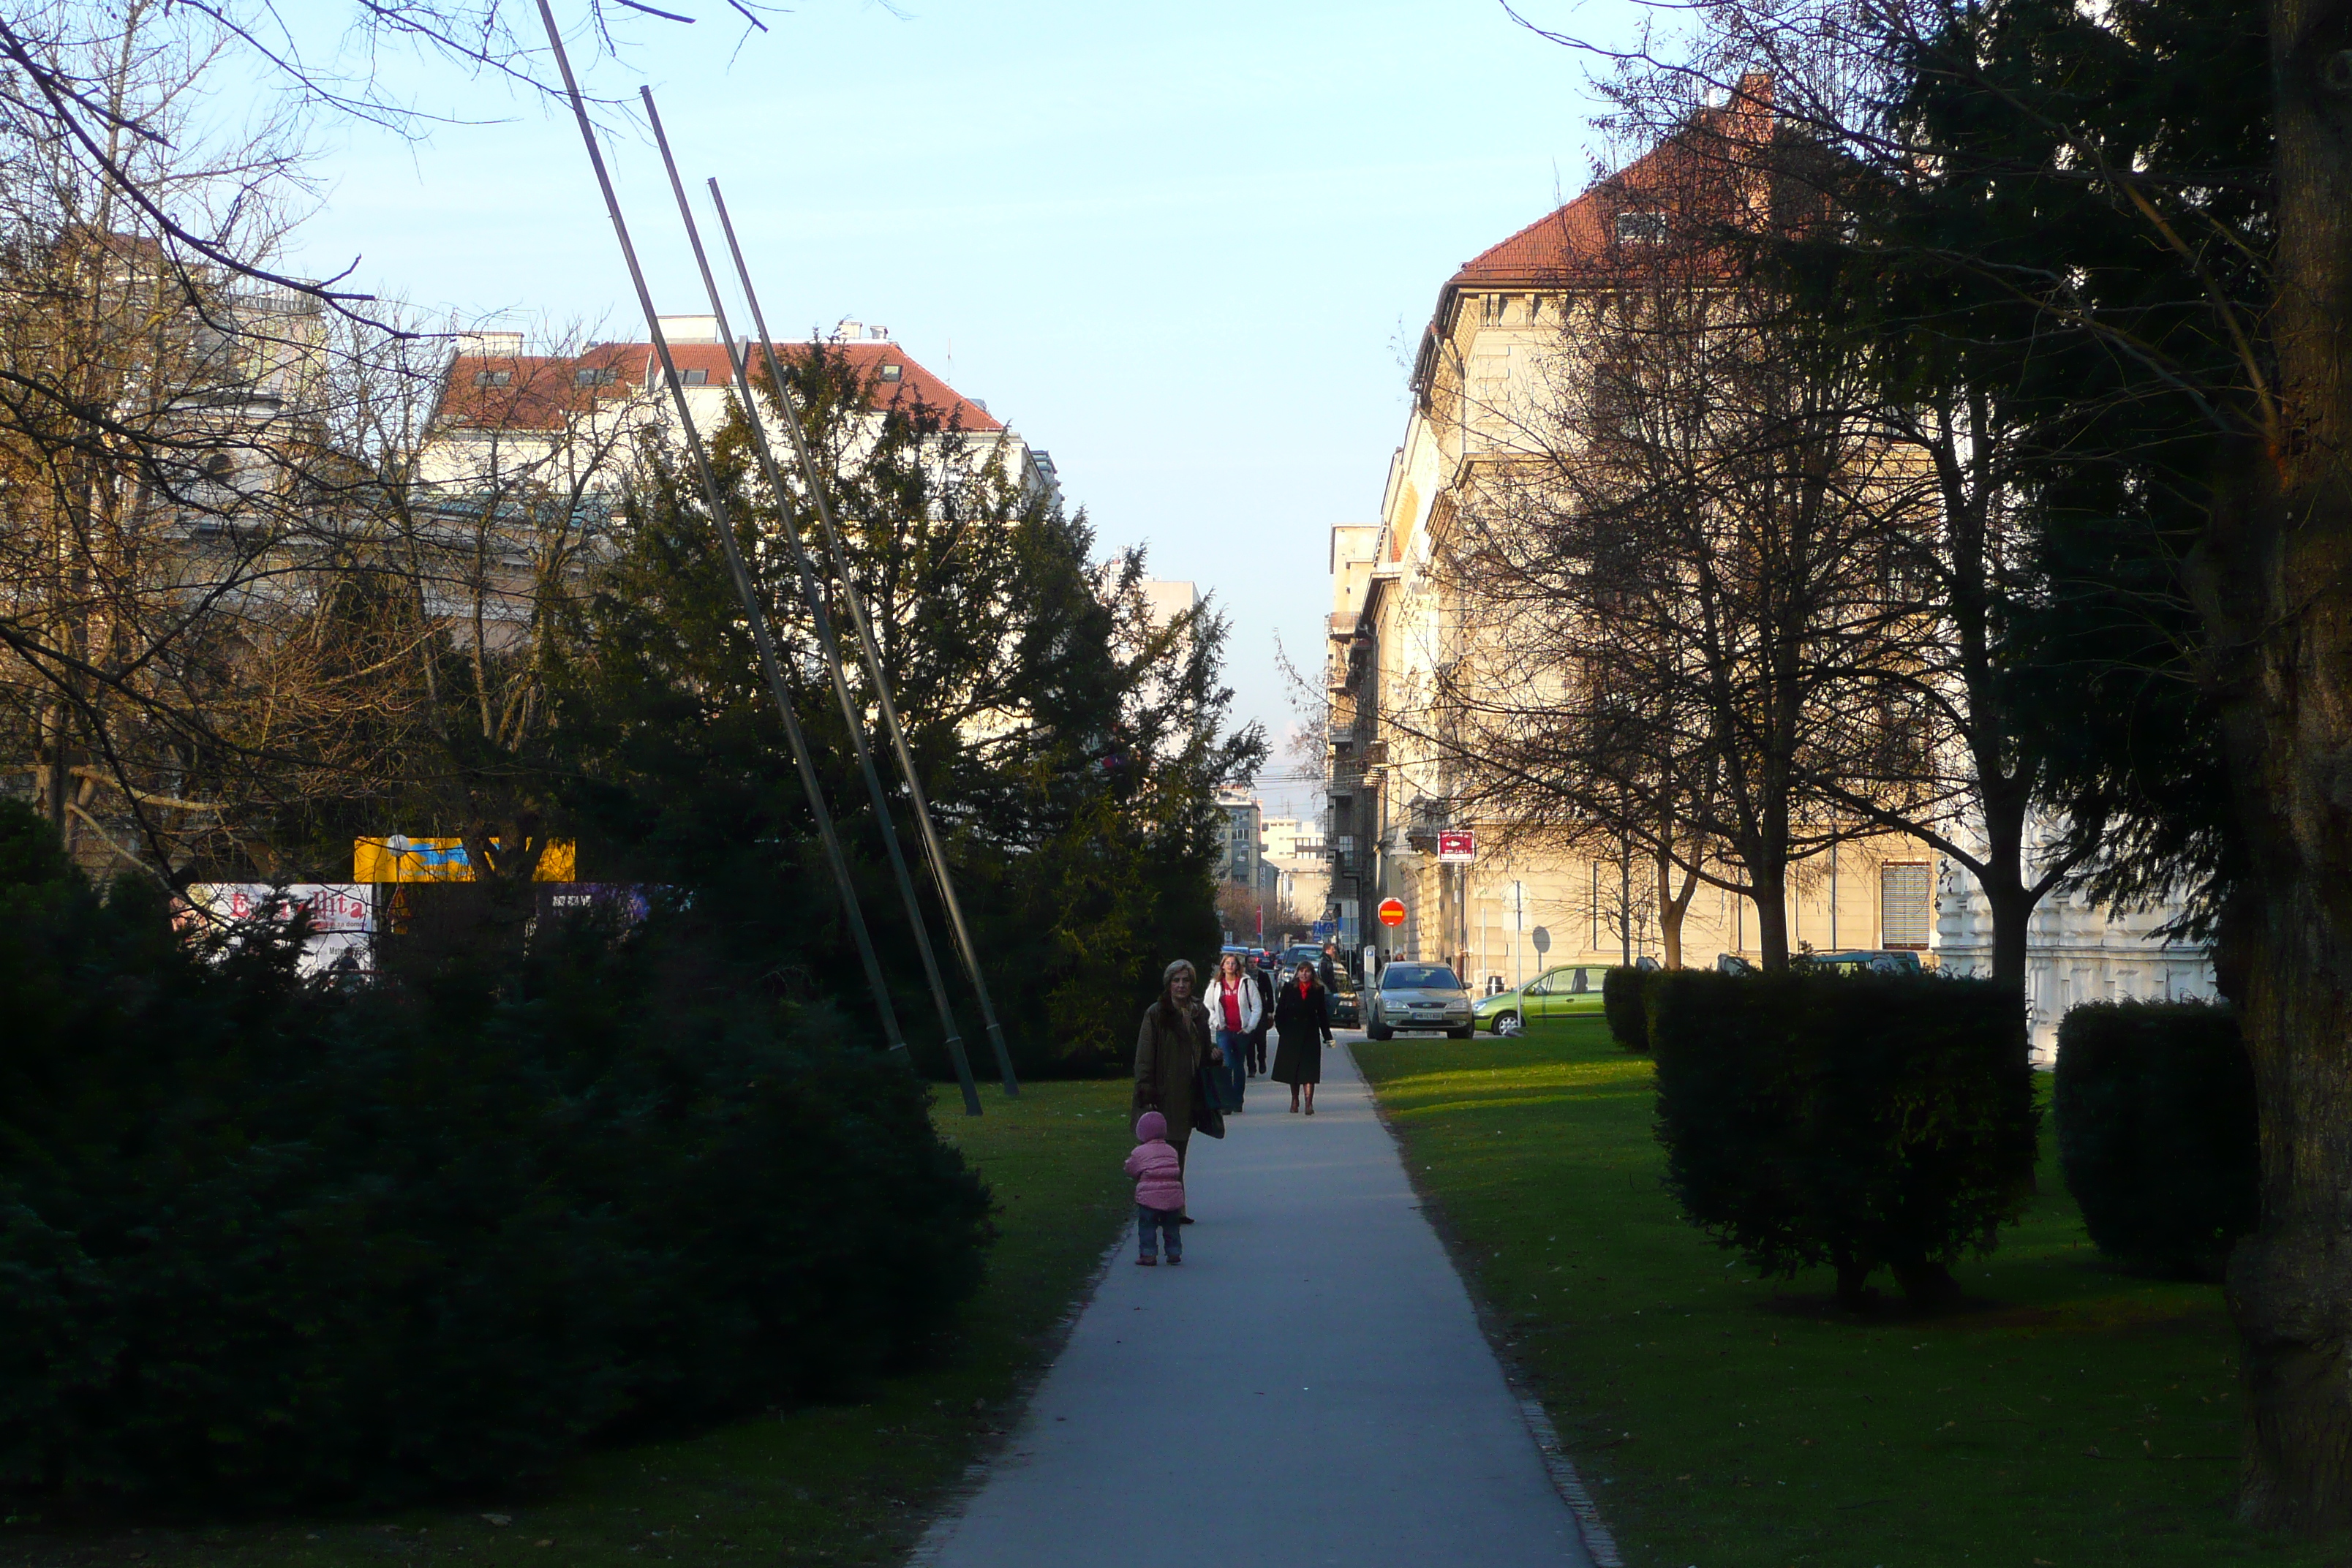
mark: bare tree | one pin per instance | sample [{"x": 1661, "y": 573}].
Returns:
[{"x": 1683, "y": 580}]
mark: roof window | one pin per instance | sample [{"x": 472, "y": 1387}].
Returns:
[
  {"x": 893, "y": 371},
  {"x": 592, "y": 377},
  {"x": 694, "y": 378},
  {"x": 493, "y": 377},
  {"x": 1641, "y": 228}
]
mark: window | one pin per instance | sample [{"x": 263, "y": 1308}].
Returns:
[
  {"x": 592, "y": 377},
  {"x": 493, "y": 377},
  {"x": 1641, "y": 228},
  {"x": 893, "y": 371},
  {"x": 1419, "y": 977},
  {"x": 694, "y": 378},
  {"x": 1579, "y": 989},
  {"x": 1905, "y": 906}
]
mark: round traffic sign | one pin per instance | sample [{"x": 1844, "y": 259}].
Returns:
[
  {"x": 1542, "y": 940},
  {"x": 1391, "y": 911}
]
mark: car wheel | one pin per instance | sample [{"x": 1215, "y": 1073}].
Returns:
[
  {"x": 1509, "y": 1025},
  {"x": 1379, "y": 1032}
]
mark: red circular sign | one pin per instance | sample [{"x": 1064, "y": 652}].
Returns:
[{"x": 1391, "y": 911}]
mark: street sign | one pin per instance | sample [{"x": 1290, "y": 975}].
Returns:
[
  {"x": 1391, "y": 911},
  {"x": 1456, "y": 846},
  {"x": 1326, "y": 930},
  {"x": 1542, "y": 939}
]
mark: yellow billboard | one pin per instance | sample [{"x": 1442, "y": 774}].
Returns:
[{"x": 398, "y": 860}]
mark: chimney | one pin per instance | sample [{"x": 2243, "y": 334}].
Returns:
[{"x": 689, "y": 329}]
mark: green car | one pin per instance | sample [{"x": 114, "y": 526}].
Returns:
[{"x": 1561, "y": 993}]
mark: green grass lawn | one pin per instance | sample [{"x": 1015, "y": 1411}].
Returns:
[
  {"x": 2075, "y": 1416},
  {"x": 850, "y": 1483}
]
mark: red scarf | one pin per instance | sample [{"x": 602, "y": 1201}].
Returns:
[{"x": 1302, "y": 989}]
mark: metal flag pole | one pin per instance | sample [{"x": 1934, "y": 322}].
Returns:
[
  {"x": 856, "y": 604},
  {"x": 770, "y": 666},
  {"x": 811, "y": 593}
]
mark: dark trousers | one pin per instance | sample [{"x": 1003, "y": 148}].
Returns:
[
  {"x": 1151, "y": 1224},
  {"x": 1257, "y": 1049}
]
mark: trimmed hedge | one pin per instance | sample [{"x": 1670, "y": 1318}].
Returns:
[
  {"x": 1865, "y": 1121},
  {"x": 2157, "y": 1133},
  {"x": 1626, "y": 1007},
  {"x": 266, "y": 1242}
]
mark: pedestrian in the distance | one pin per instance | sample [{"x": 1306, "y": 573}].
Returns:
[
  {"x": 1169, "y": 1050},
  {"x": 1232, "y": 1013},
  {"x": 1158, "y": 1175},
  {"x": 1330, "y": 971},
  {"x": 1302, "y": 1016},
  {"x": 1261, "y": 977}
]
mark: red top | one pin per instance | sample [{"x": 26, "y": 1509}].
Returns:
[{"x": 1232, "y": 1000}]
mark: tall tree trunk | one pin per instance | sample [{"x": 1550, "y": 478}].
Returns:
[
  {"x": 2276, "y": 589},
  {"x": 1769, "y": 893},
  {"x": 1672, "y": 907}
]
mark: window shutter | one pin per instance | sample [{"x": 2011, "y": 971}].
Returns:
[{"x": 1905, "y": 907}]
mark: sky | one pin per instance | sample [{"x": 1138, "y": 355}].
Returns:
[{"x": 1187, "y": 250}]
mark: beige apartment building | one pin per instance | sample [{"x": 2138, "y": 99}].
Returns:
[{"x": 1529, "y": 898}]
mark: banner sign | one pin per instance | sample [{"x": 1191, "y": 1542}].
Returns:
[
  {"x": 1456, "y": 846},
  {"x": 396, "y": 860},
  {"x": 342, "y": 918}
]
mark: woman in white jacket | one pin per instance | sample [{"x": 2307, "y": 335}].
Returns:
[{"x": 1233, "y": 1008}]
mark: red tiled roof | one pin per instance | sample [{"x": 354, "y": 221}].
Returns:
[{"x": 540, "y": 389}]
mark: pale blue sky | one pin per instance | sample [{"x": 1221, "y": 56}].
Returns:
[{"x": 1185, "y": 250}]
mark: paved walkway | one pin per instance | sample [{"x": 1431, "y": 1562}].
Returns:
[{"x": 1310, "y": 1387}]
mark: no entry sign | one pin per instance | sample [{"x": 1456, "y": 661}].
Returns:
[{"x": 1391, "y": 911}]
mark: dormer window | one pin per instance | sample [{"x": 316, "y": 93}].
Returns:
[
  {"x": 592, "y": 377},
  {"x": 493, "y": 377},
  {"x": 893, "y": 371},
  {"x": 694, "y": 378},
  {"x": 1641, "y": 228}
]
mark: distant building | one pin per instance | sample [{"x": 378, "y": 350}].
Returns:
[
  {"x": 1294, "y": 848},
  {"x": 1170, "y": 599},
  {"x": 1245, "y": 843}
]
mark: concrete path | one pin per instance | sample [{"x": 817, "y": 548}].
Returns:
[{"x": 1310, "y": 1387}]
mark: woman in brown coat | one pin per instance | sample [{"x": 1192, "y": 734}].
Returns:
[{"x": 1169, "y": 1048}]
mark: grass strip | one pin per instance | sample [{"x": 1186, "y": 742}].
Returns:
[
  {"x": 2073, "y": 1415},
  {"x": 850, "y": 1483}
]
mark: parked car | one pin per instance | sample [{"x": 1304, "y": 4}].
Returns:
[
  {"x": 1413, "y": 995},
  {"x": 1301, "y": 952},
  {"x": 1346, "y": 1009},
  {"x": 1567, "y": 992},
  {"x": 1864, "y": 961}
]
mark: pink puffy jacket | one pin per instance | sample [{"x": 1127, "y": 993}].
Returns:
[{"x": 1159, "y": 1183}]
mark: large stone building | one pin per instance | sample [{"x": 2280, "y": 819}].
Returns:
[{"x": 1488, "y": 359}]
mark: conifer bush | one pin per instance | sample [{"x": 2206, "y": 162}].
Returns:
[
  {"x": 1866, "y": 1121},
  {"x": 2157, "y": 1133},
  {"x": 264, "y": 1241},
  {"x": 1625, "y": 1004}
]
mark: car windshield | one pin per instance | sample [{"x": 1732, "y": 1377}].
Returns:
[{"x": 1419, "y": 977}]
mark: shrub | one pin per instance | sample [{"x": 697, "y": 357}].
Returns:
[
  {"x": 1625, "y": 1004},
  {"x": 1865, "y": 1122},
  {"x": 2156, "y": 1131},
  {"x": 264, "y": 1242}
]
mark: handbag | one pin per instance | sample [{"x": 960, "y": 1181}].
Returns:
[{"x": 1208, "y": 1115}]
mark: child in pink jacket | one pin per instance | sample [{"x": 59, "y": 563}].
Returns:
[{"x": 1159, "y": 1190}]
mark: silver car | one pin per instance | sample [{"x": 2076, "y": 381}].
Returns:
[{"x": 1418, "y": 997}]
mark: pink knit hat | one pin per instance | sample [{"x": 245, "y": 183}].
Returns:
[{"x": 1149, "y": 1126}]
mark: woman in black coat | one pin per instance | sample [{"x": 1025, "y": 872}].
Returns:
[{"x": 1302, "y": 1020}]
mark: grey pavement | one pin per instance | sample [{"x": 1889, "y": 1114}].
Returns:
[{"x": 1310, "y": 1387}]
